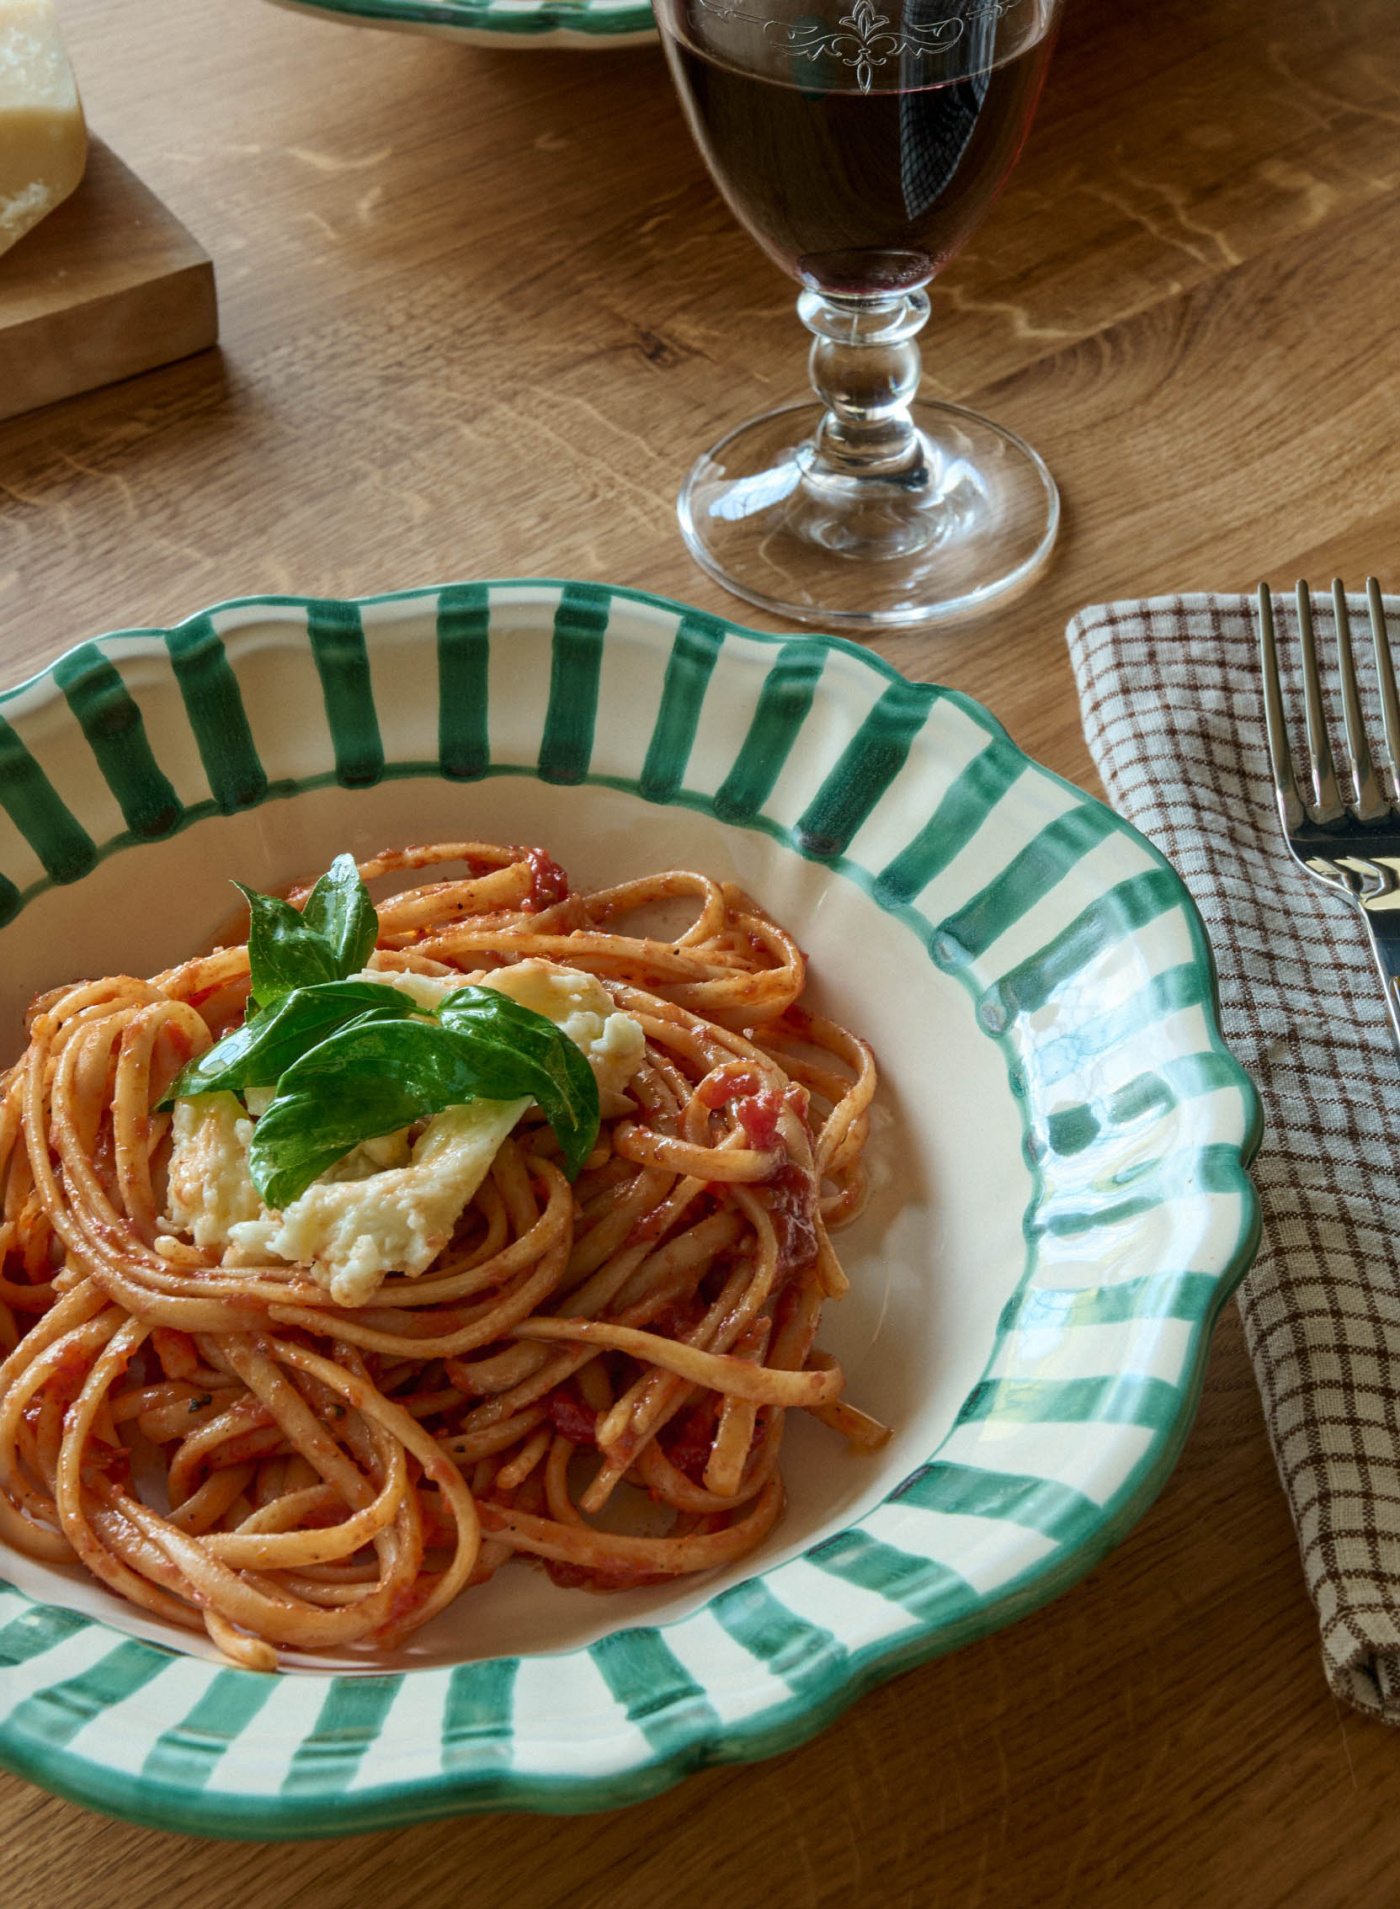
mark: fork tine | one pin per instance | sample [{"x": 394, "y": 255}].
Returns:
[
  {"x": 1290, "y": 806},
  {"x": 1325, "y": 792},
  {"x": 1390, "y": 707},
  {"x": 1370, "y": 803}
]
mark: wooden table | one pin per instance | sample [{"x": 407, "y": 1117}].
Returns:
[{"x": 480, "y": 309}]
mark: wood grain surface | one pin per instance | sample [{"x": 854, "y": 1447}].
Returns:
[
  {"x": 108, "y": 285},
  {"x": 480, "y": 309}
]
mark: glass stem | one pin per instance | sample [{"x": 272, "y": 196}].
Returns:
[{"x": 865, "y": 367}]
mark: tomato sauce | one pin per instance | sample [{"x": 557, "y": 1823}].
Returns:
[
  {"x": 403, "y": 1605},
  {"x": 548, "y": 882},
  {"x": 112, "y": 1461},
  {"x": 689, "y": 1450},
  {"x": 727, "y": 1083},
  {"x": 758, "y": 1116},
  {"x": 677, "y": 1317},
  {"x": 571, "y": 1418},
  {"x": 791, "y": 1198},
  {"x": 756, "y": 1104},
  {"x": 574, "y": 1577},
  {"x": 176, "y": 1351}
]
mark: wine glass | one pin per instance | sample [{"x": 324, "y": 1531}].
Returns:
[{"x": 860, "y": 147}]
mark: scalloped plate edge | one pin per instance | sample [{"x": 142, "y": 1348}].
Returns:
[{"x": 680, "y": 1737}]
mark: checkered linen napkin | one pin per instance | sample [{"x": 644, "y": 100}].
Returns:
[{"x": 1173, "y": 715}]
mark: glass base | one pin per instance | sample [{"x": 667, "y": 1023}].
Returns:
[{"x": 972, "y": 517}]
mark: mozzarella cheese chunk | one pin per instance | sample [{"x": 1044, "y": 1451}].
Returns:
[
  {"x": 395, "y": 1219},
  {"x": 382, "y": 1208},
  {"x": 578, "y": 1004},
  {"x": 210, "y": 1190},
  {"x": 43, "y": 140}
]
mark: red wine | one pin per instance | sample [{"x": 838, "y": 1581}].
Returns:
[{"x": 859, "y": 192}]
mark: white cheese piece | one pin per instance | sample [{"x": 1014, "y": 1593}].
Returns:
[
  {"x": 382, "y": 1209},
  {"x": 397, "y": 1220},
  {"x": 581, "y": 1007},
  {"x": 43, "y": 141},
  {"x": 210, "y": 1191},
  {"x": 428, "y": 990},
  {"x": 578, "y": 1004}
]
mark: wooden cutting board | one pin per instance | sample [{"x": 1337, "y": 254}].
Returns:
[{"x": 108, "y": 285}]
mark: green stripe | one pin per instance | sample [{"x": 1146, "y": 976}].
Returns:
[
  {"x": 476, "y": 1725},
  {"x": 183, "y": 1757},
  {"x": 1110, "y": 919},
  {"x": 812, "y": 1670},
  {"x": 337, "y": 638},
  {"x": 56, "y": 1715},
  {"x": 1127, "y": 1398},
  {"x": 464, "y": 661},
  {"x": 804, "y": 1655},
  {"x": 868, "y": 765},
  {"x": 1058, "y": 1510},
  {"x": 1185, "y": 986},
  {"x": 1151, "y": 1296},
  {"x": 659, "y": 1693},
  {"x": 1186, "y": 1174},
  {"x": 1185, "y": 1078},
  {"x": 214, "y": 704},
  {"x": 933, "y": 1592},
  {"x": 111, "y": 720},
  {"x": 1150, "y": 1096},
  {"x": 783, "y": 707},
  {"x": 566, "y": 748},
  {"x": 965, "y": 806},
  {"x": 9, "y": 900},
  {"x": 37, "y": 1629},
  {"x": 694, "y": 654},
  {"x": 1153, "y": 1095},
  {"x": 32, "y": 803},
  {"x": 1026, "y": 879},
  {"x": 350, "y": 1721},
  {"x": 1068, "y": 1131}
]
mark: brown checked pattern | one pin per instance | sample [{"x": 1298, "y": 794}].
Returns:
[{"x": 1173, "y": 714}]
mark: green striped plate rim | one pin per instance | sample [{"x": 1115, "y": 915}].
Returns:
[
  {"x": 576, "y": 23},
  {"x": 1039, "y": 1476}
]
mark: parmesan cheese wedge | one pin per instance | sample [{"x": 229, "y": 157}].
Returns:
[{"x": 43, "y": 140}]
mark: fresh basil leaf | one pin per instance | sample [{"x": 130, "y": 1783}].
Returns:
[
  {"x": 259, "y": 1053},
  {"x": 301, "y": 948},
  {"x": 374, "y": 1077},
  {"x": 283, "y": 952},
  {"x": 340, "y": 911},
  {"x": 367, "y": 1080},
  {"x": 527, "y": 1047}
]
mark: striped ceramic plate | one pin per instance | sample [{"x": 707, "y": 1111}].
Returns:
[
  {"x": 597, "y": 24},
  {"x": 1060, "y": 1203}
]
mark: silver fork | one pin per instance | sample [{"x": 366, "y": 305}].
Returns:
[{"x": 1347, "y": 836}]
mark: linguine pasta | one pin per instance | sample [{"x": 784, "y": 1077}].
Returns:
[{"x": 224, "y": 1443}]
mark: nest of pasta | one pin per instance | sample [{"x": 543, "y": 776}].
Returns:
[{"x": 229, "y": 1446}]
